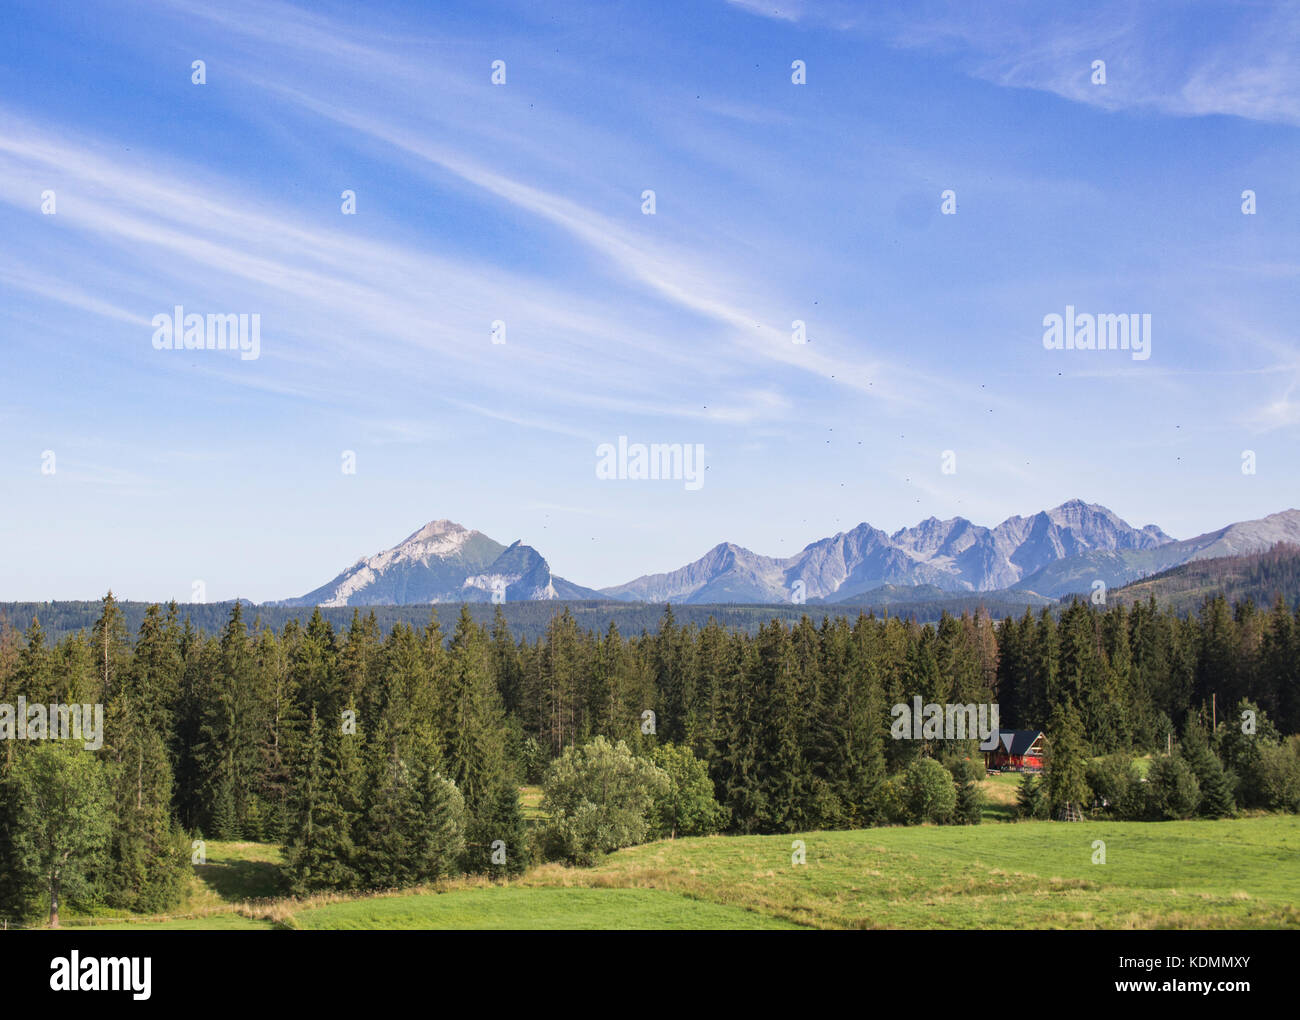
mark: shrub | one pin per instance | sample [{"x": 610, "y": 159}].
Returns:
[
  {"x": 599, "y": 798},
  {"x": 1111, "y": 780},
  {"x": 1279, "y": 775},
  {"x": 929, "y": 790},
  {"x": 893, "y": 800},
  {"x": 687, "y": 807},
  {"x": 1243, "y": 753}
]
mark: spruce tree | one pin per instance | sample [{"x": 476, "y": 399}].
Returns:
[
  {"x": 474, "y": 739},
  {"x": 112, "y": 647},
  {"x": 1031, "y": 799},
  {"x": 496, "y": 837},
  {"x": 970, "y": 801},
  {"x": 305, "y": 852},
  {"x": 1066, "y": 771},
  {"x": 390, "y": 831},
  {"x": 328, "y": 804},
  {"x": 1215, "y": 786}
]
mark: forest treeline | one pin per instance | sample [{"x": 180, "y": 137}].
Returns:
[
  {"x": 386, "y": 758},
  {"x": 1260, "y": 577}
]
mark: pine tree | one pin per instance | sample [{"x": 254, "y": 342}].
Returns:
[
  {"x": 970, "y": 805},
  {"x": 1216, "y": 791},
  {"x": 1031, "y": 799},
  {"x": 305, "y": 852},
  {"x": 1215, "y": 786},
  {"x": 439, "y": 834},
  {"x": 327, "y": 803},
  {"x": 1171, "y": 787},
  {"x": 389, "y": 835},
  {"x": 201, "y": 659},
  {"x": 736, "y": 747},
  {"x": 313, "y": 669},
  {"x": 474, "y": 739},
  {"x": 146, "y": 868},
  {"x": 970, "y": 801},
  {"x": 845, "y": 726},
  {"x": 34, "y": 673},
  {"x": 505, "y": 663},
  {"x": 112, "y": 648},
  {"x": 281, "y": 732},
  {"x": 782, "y": 774},
  {"x": 496, "y": 838},
  {"x": 231, "y": 725},
  {"x": 1066, "y": 771}
]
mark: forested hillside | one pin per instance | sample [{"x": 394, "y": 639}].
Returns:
[
  {"x": 1259, "y": 577},
  {"x": 384, "y": 759}
]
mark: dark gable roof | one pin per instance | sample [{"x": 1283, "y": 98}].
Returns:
[{"x": 1021, "y": 740}]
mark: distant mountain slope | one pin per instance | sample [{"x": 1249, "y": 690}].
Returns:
[
  {"x": 444, "y": 562},
  {"x": 926, "y": 602},
  {"x": 1119, "y": 567},
  {"x": 1026, "y": 561},
  {"x": 1259, "y": 576},
  {"x": 726, "y": 573},
  {"x": 953, "y": 556}
]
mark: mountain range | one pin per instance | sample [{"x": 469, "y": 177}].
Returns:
[{"x": 1046, "y": 555}]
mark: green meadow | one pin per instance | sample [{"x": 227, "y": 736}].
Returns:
[
  {"x": 537, "y": 908},
  {"x": 1240, "y": 873}
]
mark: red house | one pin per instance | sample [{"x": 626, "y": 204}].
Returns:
[{"x": 1017, "y": 751}]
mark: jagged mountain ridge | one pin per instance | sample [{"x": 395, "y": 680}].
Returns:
[
  {"x": 955, "y": 555},
  {"x": 1117, "y": 568},
  {"x": 1044, "y": 555}
]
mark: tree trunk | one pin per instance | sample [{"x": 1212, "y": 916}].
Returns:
[{"x": 54, "y": 903}]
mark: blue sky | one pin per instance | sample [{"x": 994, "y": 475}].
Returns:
[{"x": 522, "y": 203}]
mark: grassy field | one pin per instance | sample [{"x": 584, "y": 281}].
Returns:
[
  {"x": 1242, "y": 873},
  {"x": 999, "y": 793},
  {"x": 533, "y": 908}
]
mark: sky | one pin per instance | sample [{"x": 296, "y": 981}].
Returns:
[{"x": 924, "y": 387}]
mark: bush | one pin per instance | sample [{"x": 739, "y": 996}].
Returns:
[
  {"x": 599, "y": 798},
  {"x": 1243, "y": 754},
  {"x": 929, "y": 791},
  {"x": 1279, "y": 775},
  {"x": 1112, "y": 780},
  {"x": 687, "y": 807},
  {"x": 893, "y": 800}
]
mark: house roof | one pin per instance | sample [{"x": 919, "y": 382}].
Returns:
[{"x": 1018, "y": 742}]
